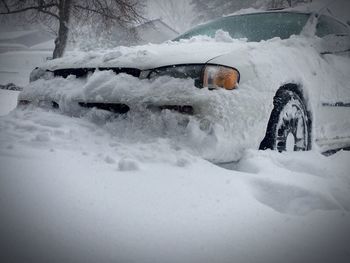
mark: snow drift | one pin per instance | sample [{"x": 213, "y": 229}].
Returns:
[{"x": 80, "y": 189}]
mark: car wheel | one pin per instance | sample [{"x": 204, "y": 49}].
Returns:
[{"x": 289, "y": 127}]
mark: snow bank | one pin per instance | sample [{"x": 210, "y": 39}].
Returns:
[{"x": 77, "y": 190}]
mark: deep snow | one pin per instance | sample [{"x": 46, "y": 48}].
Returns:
[
  {"x": 77, "y": 190},
  {"x": 92, "y": 188}
]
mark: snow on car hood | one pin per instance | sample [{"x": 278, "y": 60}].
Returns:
[{"x": 195, "y": 50}]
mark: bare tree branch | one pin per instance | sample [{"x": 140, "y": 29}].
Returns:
[
  {"x": 108, "y": 12},
  {"x": 50, "y": 13},
  {"x": 6, "y": 6},
  {"x": 39, "y": 8},
  {"x": 99, "y": 12}
]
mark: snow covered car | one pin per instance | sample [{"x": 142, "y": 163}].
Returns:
[{"x": 265, "y": 80}]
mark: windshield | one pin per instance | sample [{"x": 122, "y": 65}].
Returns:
[{"x": 253, "y": 27}]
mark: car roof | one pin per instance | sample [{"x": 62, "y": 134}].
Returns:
[
  {"x": 269, "y": 12},
  {"x": 252, "y": 13},
  {"x": 283, "y": 10}
]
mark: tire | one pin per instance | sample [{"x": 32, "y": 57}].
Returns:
[{"x": 289, "y": 127}]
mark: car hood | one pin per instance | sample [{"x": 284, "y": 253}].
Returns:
[{"x": 147, "y": 56}]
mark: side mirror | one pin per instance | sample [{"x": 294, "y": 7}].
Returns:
[{"x": 334, "y": 44}]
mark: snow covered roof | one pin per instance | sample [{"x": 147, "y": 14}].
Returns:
[
  {"x": 47, "y": 45},
  {"x": 10, "y": 35},
  {"x": 21, "y": 40}
]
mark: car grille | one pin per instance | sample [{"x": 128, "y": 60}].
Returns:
[
  {"x": 184, "y": 109},
  {"x": 82, "y": 72},
  {"x": 112, "y": 107},
  {"x": 118, "y": 108}
]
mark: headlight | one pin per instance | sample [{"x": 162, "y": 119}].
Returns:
[
  {"x": 220, "y": 77},
  {"x": 207, "y": 76},
  {"x": 39, "y": 73},
  {"x": 193, "y": 71}
]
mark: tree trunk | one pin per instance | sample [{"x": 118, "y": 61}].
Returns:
[{"x": 62, "y": 37}]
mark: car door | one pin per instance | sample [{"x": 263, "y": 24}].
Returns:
[{"x": 333, "y": 122}]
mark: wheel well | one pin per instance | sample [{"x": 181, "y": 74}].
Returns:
[
  {"x": 267, "y": 142},
  {"x": 291, "y": 87}
]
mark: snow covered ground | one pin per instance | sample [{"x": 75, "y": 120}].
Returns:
[
  {"x": 91, "y": 189},
  {"x": 78, "y": 190}
]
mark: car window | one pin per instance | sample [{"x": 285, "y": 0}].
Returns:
[
  {"x": 253, "y": 27},
  {"x": 327, "y": 25}
]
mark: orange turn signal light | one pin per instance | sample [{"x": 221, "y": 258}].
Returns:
[{"x": 220, "y": 77}]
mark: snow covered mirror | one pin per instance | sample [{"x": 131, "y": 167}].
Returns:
[{"x": 335, "y": 36}]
